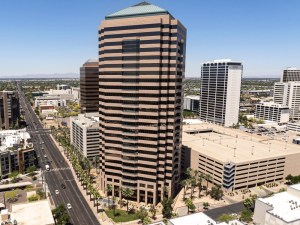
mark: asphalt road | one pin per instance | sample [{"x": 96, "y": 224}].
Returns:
[
  {"x": 59, "y": 173},
  {"x": 229, "y": 209}
]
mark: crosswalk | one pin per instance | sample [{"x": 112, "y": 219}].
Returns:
[{"x": 57, "y": 169}]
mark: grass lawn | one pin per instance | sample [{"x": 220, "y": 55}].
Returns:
[{"x": 121, "y": 215}]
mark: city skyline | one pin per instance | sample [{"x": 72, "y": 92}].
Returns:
[{"x": 57, "y": 37}]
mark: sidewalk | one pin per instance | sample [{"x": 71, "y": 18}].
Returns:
[{"x": 103, "y": 219}]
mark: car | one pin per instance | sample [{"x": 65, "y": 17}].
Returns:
[
  {"x": 45, "y": 156},
  {"x": 69, "y": 206},
  {"x": 63, "y": 186},
  {"x": 57, "y": 192}
]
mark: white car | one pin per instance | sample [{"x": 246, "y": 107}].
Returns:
[
  {"x": 45, "y": 156},
  {"x": 69, "y": 206},
  {"x": 57, "y": 192}
]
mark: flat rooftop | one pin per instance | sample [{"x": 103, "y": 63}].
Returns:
[
  {"x": 233, "y": 145},
  {"x": 193, "y": 219},
  {"x": 286, "y": 205},
  {"x": 34, "y": 213}
]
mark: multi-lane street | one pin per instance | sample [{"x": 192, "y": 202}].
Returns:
[{"x": 59, "y": 174}]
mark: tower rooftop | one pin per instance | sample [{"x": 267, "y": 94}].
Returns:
[{"x": 141, "y": 9}]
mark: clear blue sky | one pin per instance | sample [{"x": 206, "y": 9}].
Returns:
[{"x": 57, "y": 36}]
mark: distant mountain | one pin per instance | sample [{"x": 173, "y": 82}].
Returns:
[{"x": 43, "y": 76}]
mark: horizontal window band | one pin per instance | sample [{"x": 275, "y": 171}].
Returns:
[
  {"x": 138, "y": 65},
  {"x": 136, "y": 58},
  {"x": 136, "y": 131},
  {"x": 141, "y": 26},
  {"x": 141, "y": 34},
  {"x": 133, "y": 50},
  {"x": 139, "y": 87},
  {"x": 135, "y": 110},
  {"x": 138, "y": 79},
  {"x": 108, "y": 73},
  {"x": 158, "y": 41}
]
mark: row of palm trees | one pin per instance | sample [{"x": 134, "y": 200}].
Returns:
[
  {"x": 194, "y": 179},
  {"x": 82, "y": 167}
]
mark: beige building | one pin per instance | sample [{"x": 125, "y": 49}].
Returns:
[
  {"x": 281, "y": 208},
  {"x": 237, "y": 159},
  {"x": 141, "y": 64}
]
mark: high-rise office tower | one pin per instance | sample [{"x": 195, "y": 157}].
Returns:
[
  {"x": 288, "y": 94},
  {"x": 220, "y": 92},
  {"x": 9, "y": 109},
  {"x": 290, "y": 74},
  {"x": 141, "y": 64},
  {"x": 89, "y": 86}
]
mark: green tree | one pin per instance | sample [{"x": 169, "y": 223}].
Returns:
[
  {"x": 208, "y": 178},
  {"x": 167, "y": 207},
  {"x": 184, "y": 184},
  {"x": 12, "y": 196},
  {"x": 216, "y": 193},
  {"x": 127, "y": 193},
  {"x": 246, "y": 215},
  {"x": 205, "y": 205},
  {"x": 61, "y": 215},
  {"x": 199, "y": 183},
  {"x": 153, "y": 210},
  {"x": 226, "y": 218},
  {"x": 31, "y": 170},
  {"x": 248, "y": 203},
  {"x": 108, "y": 189},
  {"x": 190, "y": 205},
  {"x": 142, "y": 214},
  {"x": 13, "y": 176}
]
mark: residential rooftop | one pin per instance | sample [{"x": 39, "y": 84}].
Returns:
[
  {"x": 233, "y": 145},
  {"x": 286, "y": 205},
  {"x": 33, "y": 213}
]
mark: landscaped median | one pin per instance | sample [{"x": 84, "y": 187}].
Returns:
[{"x": 121, "y": 215}]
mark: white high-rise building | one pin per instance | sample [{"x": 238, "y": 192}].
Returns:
[
  {"x": 290, "y": 74},
  {"x": 84, "y": 134},
  {"x": 270, "y": 111},
  {"x": 220, "y": 92},
  {"x": 288, "y": 94}
]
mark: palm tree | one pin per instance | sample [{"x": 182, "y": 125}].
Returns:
[
  {"x": 90, "y": 188},
  {"x": 127, "y": 193},
  {"x": 193, "y": 185},
  {"x": 153, "y": 210},
  {"x": 199, "y": 183},
  {"x": 165, "y": 191},
  {"x": 208, "y": 178},
  {"x": 184, "y": 183},
  {"x": 108, "y": 189},
  {"x": 189, "y": 172}
]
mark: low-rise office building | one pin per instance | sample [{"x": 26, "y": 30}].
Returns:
[
  {"x": 272, "y": 112},
  {"x": 16, "y": 151},
  {"x": 49, "y": 101},
  {"x": 85, "y": 134},
  {"x": 237, "y": 159},
  {"x": 281, "y": 208},
  {"x": 294, "y": 126},
  {"x": 191, "y": 103}
]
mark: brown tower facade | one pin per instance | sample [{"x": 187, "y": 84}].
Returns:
[
  {"x": 141, "y": 64},
  {"x": 89, "y": 87}
]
